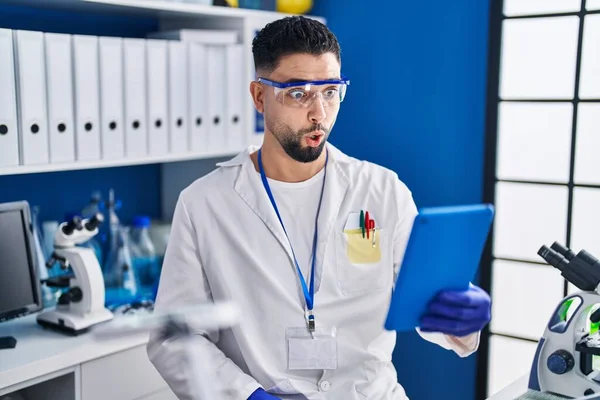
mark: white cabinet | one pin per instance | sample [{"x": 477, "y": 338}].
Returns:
[
  {"x": 47, "y": 365},
  {"x": 125, "y": 374}
]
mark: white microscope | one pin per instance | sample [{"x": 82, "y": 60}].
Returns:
[
  {"x": 566, "y": 360},
  {"x": 82, "y": 305}
]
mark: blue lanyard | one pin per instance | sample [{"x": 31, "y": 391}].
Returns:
[{"x": 309, "y": 293}]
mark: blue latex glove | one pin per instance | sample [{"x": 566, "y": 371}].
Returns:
[
  {"x": 458, "y": 313},
  {"x": 260, "y": 394}
]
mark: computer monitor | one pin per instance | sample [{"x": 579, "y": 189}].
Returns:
[{"x": 20, "y": 288}]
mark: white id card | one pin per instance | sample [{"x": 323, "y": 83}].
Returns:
[{"x": 311, "y": 351}]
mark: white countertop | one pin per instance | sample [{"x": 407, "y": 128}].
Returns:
[
  {"x": 512, "y": 391},
  {"x": 519, "y": 390},
  {"x": 40, "y": 351}
]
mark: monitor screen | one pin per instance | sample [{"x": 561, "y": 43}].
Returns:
[{"x": 19, "y": 289}]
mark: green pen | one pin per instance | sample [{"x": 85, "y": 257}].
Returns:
[{"x": 362, "y": 223}]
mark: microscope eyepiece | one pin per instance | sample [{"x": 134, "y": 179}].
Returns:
[
  {"x": 94, "y": 222},
  {"x": 72, "y": 225},
  {"x": 553, "y": 258},
  {"x": 566, "y": 253},
  {"x": 582, "y": 270}
]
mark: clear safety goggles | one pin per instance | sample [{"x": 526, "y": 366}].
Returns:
[{"x": 303, "y": 94}]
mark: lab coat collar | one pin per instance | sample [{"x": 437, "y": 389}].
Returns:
[
  {"x": 249, "y": 187},
  {"x": 334, "y": 155}
]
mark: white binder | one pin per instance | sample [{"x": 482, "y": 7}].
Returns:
[
  {"x": 59, "y": 86},
  {"x": 9, "y": 128},
  {"x": 236, "y": 94},
  {"x": 198, "y": 97},
  {"x": 112, "y": 135},
  {"x": 158, "y": 121},
  {"x": 87, "y": 97},
  {"x": 136, "y": 120},
  {"x": 217, "y": 87},
  {"x": 178, "y": 100},
  {"x": 31, "y": 94}
]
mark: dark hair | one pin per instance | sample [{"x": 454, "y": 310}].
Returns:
[{"x": 292, "y": 35}]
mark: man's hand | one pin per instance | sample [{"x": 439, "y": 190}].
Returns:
[
  {"x": 260, "y": 394},
  {"x": 458, "y": 313}
]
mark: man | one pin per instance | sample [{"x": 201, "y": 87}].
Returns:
[{"x": 279, "y": 232}]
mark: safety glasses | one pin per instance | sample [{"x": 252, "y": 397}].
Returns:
[{"x": 303, "y": 94}]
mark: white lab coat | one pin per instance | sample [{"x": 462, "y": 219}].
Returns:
[{"x": 226, "y": 243}]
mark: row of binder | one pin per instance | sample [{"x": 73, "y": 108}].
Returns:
[{"x": 66, "y": 98}]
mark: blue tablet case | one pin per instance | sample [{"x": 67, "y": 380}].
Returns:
[{"x": 443, "y": 253}]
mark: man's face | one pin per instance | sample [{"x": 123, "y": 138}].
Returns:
[{"x": 302, "y": 132}]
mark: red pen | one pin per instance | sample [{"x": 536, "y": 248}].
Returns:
[{"x": 367, "y": 223}]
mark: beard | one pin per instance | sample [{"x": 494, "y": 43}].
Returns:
[{"x": 292, "y": 141}]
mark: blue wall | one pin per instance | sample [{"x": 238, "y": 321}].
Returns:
[
  {"x": 416, "y": 105},
  {"x": 58, "y": 193}
]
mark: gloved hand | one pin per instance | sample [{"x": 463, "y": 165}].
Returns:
[
  {"x": 260, "y": 394},
  {"x": 458, "y": 313}
]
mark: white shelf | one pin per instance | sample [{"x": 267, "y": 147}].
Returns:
[
  {"x": 183, "y": 7},
  {"x": 79, "y": 165},
  {"x": 155, "y": 7}
]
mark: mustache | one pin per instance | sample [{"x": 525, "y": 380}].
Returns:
[{"x": 316, "y": 127}]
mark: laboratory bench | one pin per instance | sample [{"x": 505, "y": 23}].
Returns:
[{"x": 49, "y": 365}]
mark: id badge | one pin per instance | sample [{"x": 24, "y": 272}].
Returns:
[{"x": 311, "y": 351}]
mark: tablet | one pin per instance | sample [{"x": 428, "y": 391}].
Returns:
[{"x": 443, "y": 253}]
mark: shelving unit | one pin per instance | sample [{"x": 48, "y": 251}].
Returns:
[{"x": 171, "y": 14}]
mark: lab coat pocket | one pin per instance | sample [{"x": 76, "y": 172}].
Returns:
[
  {"x": 363, "y": 250},
  {"x": 363, "y": 265}
]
